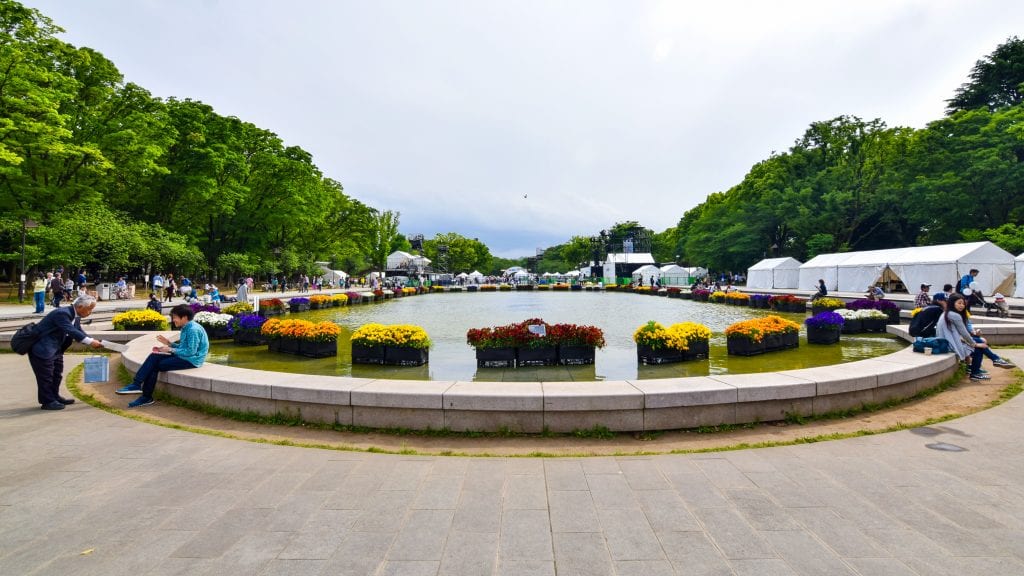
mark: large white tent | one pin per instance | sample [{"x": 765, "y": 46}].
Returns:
[
  {"x": 774, "y": 273},
  {"x": 674, "y": 275},
  {"x": 935, "y": 265},
  {"x": 1018, "y": 292},
  {"x": 646, "y": 274}
]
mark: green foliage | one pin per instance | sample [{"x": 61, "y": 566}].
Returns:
[{"x": 996, "y": 80}]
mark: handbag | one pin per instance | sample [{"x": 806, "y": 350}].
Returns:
[{"x": 23, "y": 340}]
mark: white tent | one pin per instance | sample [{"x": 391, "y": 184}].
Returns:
[
  {"x": 331, "y": 275},
  {"x": 823, "y": 267},
  {"x": 462, "y": 275},
  {"x": 648, "y": 274},
  {"x": 674, "y": 275},
  {"x": 774, "y": 273},
  {"x": 572, "y": 273},
  {"x": 398, "y": 259},
  {"x": 475, "y": 274},
  {"x": 935, "y": 265},
  {"x": 1018, "y": 292}
]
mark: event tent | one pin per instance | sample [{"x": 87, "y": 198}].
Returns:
[
  {"x": 1019, "y": 265},
  {"x": 935, "y": 265},
  {"x": 774, "y": 273},
  {"x": 475, "y": 274},
  {"x": 674, "y": 275},
  {"x": 646, "y": 273}
]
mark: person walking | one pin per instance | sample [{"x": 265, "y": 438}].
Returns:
[
  {"x": 39, "y": 293},
  {"x": 169, "y": 288},
  {"x": 57, "y": 289},
  {"x": 188, "y": 352},
  {"x": 242, "y": 294},
  {"x": 56, "y": 333}
]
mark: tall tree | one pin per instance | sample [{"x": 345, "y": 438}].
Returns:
[{"x": 996, "y": 80}]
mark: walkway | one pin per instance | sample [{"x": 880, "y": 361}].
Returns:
[{"x": 84, "y": 492}]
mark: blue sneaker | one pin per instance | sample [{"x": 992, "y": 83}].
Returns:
[
  {"x": 129, "y": 389},
  {"x": 140, "y": 402}
]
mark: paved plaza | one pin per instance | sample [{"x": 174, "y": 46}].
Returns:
[{"x": 85, "y": 492}]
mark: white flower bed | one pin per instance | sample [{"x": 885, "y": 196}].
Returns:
[
  {"x": 212, "y": 319},
  {"x": 861, "y": 314}
]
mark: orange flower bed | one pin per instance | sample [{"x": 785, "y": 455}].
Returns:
[{"x": 757, "y": 328}]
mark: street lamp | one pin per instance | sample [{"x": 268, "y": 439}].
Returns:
[{"x": 25, "y": 225}]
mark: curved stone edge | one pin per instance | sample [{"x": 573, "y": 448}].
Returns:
[{"x": 534, "y": 407}]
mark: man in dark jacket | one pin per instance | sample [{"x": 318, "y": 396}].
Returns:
[{"x": 56, "y": 332}]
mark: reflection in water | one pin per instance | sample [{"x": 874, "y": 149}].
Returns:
[{"x": 447, "y": 317}]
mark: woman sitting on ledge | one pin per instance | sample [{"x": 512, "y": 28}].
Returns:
[{"x": 188, "y": 352}]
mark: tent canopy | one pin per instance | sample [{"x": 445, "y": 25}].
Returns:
[
  {"x": 1018, "y": 292},
  {"x": 774, "y": 273},
  {"x": 475, "y": 274},
  {"x": 935, "y": 265},
  {"x": 646, "y": 272}
]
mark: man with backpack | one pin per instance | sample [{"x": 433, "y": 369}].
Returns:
[
  {"x": 57, "y": 289},
  {"x": 922, "y": 326},
  {"x": 54, "y": 335}
]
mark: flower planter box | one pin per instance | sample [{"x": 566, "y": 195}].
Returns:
[
  {"x": 798, "y": 307},
  {"x": 298, "y": 307},
  {"x": 524, "y": 286},
  {"x": 575, "y": 287},
  {"x": 647, "y": 355},
  {"x": 318, "y": 349},
  {"x": 544, "y": 356},
  {"x": 773, "y": 342},
  {"x": 496, "y": 357},
  {"x": 815, "y": 310},
  {"x": 894, "y": 317},
  {"x": 790, "y": 339},
  {"x": 217, "y": 332},
  {"x": 367, "y": 354},
  {"x": 852, "y": 326},
  {"x": 673, "y": 295},
  {"x": 697, "y": 350},
  {"x": 471, "y": 288},
  {"x": 405, "y": 356},
  {"x": 822, "y": 335},
  {"x": 248, "y": 338},
  {"x": 744, "y": 347},
  {"x": 314, "y": 305},
  {"x": 286, "y": 345},
  {"x": 576, "y": 355},
  {"x": 266, "y": 312},
  {"x": 874, "y": 324},
  {"x": 686, "y": 295}
]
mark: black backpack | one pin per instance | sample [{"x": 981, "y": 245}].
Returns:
[
  {"x": 24, "y": 338},
  {"x": 923, "y": 323}
]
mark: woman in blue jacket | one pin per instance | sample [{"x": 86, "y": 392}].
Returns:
[{"x": 188, "y": 352}]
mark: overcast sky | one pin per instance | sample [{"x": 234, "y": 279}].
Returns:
[{"x": 525, "y": 123}]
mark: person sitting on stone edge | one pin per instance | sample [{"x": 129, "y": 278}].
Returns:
[{"x": 188, "y": 352}]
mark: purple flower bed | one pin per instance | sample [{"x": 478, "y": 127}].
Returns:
[
  {"x": 353, "y": 297},
  {"x": 247, "y": 323},
  {"x": 701, "y": 292},
  {"x": 297, "y": 301},
  {"x": 865, "y": 304},
  {"x": 760, "y": 297},
  {"x": 197, "y": 307},
  {"x": 825, "y": 320}
]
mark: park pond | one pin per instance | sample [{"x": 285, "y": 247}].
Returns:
[{"x": 447, "y": 316}]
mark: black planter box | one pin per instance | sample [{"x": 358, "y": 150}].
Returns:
[
  {"x": 267, "y": 312},
  {"x": 367, "y": 354},
  {"x": 218, "y": 333},
  {"x": 744, "y": 347},
  {"x": 822, "y": 335},
  {"x": 686, "y": 295},
  {"x": 773, "y": 342},
  {"x": 798, "y": 307},
  {"x": 471, "y": 288},
  {"x": 318, "y": 349},
  {"x": 576, "y": 355},
  {"x": 544, "y": 356},
  {"x": 647, "y": 355},
  {"x": 790, "y": 339},
  {"x": 894, "y": 317},
  {"x": 405, "y": 356},
  {"x": 575, "y": 287},
  {"x": 874, "y": 324},
  {"x": 815, "y": 310},
  {"x": 673, "y": 294},
  {"x": 496, "y": 357},
  {"x": 285, "y": 345},
  {"x": 524, "y": 286},
  {"x": 853, "y": 325},
  {"x": 248, "y": 338},
  {"x": 696, "y": 350},
  {"x": 298, "y": 307}
]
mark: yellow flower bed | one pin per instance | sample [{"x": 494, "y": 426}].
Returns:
[
  {"x": 543, "y": 287},
  {"x": 237, "y": 308},
  {"x": 301, "y": 330},
  {"x": 140, "y": 320},
  {"x": 757, "y": 328},
  {"x": 342, "y": 298},
  {"x": 437, "y": 288},
  {"x": 391, "y": 335},
  {"x": 831, "y": 303},
  {"x": 737, "y": 297},
  {"x": 718, "y": 296},
  {"x": 642, "y": 289},
  {"x": 408, "y": 290},
  {"x": 320, "y": 300},
  {"x": 677, "y": 336}
]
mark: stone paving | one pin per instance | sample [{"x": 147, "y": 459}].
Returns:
[{"x": 84, "y": 492}]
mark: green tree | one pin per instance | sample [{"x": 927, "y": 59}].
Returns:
[
  {"x": 995, "y": 81},
  {"x": 383, "y": 233}
]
